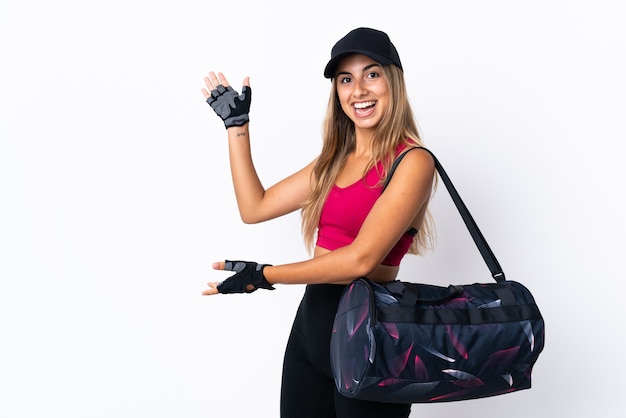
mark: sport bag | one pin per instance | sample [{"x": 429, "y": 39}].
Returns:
[{"x": 404, "y": 342}]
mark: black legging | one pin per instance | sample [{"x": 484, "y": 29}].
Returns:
[{"x": 308, "y": 388}]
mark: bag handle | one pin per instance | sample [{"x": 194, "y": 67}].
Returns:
[
  {"x": 408, "y": 294},
  {"x": 477, "y": 236}
]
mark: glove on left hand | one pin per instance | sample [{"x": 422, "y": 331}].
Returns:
[
  {"x": 229, "y": 105},
  {"x": 248, "y": 278}
]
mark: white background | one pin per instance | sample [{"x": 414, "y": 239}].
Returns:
[{"x": 115, "y": 194}]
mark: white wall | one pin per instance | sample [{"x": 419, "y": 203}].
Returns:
[{"x": 115, "y": 194}]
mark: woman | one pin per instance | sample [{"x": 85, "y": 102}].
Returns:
[{"x": 353, "y": 228}]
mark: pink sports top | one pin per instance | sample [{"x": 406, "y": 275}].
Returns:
[{"x": 345, "y": 211}]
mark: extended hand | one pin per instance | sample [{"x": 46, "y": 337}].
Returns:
[
  {"x": 248, "y": 278},
  {"x": 229, "y": 105}
]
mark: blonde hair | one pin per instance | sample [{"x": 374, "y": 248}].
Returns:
[{"x": 397, "y": 127}]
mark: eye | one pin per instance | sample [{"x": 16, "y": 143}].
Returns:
[
  {"x": 372, "y": 74},
  {"x": 345, "y": 80}
]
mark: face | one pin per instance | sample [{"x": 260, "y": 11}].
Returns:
[{"x": 362, "y": 90}]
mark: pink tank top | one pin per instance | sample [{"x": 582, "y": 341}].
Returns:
[{"x": 345, "y": 211}]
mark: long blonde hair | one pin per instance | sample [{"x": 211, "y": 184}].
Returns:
[{"x": 397, "y": 127}]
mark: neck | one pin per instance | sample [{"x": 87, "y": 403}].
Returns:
[{"x": 363, "y": 142}]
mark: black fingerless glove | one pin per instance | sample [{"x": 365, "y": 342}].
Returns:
[
  {"x": 248, "y": 278},
  {"x": 231, "y": 106}
]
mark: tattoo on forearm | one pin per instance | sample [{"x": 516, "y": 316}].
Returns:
[{"x": 241, "y": 134}]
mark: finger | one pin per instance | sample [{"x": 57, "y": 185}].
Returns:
[
  {"x": 205, "y": 93},
  {"x": 222, "y": 79},
  {"x": 214, "y": 78},
  {"x": 246, "y": 81},
  {"x": 212, "y": 289},
  {"x": 211, "y": 81},
  {"x": 209, "y": 87},
  {"x": 218, "y": 265}
]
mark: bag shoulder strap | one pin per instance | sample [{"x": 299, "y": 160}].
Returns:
[{"x": 477, "y": 236}]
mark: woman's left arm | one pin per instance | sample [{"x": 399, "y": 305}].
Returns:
[{"x": 404, "y": 198}]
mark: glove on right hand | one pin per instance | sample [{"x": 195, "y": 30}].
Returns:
[
  {"x": 229, "y": 105},
  {"x": 248, "y": 278}
]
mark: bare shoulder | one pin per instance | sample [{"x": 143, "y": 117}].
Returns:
[
  {"x": 417, "y": 168},
  {"x": 416, "y": 161}
]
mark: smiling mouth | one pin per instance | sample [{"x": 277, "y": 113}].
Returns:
[
  {"x": 364, "y": 105},
  {"x": 363, "y": 109}
]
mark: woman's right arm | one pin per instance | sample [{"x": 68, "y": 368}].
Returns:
[{"x": 255, "y": 203}]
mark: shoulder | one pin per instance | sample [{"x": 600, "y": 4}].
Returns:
[
  {"x": 413, "y": 178},
  {"x": 414, "y": 160},
  {"x": 414, "y": 166}
]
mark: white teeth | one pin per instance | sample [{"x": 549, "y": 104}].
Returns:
[{"x": 363, "y": 105}]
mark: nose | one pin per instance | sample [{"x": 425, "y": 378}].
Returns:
[{"x": 360, "y": 89}]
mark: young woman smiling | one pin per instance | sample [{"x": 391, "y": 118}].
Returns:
[{"x": 352, "y": 228}]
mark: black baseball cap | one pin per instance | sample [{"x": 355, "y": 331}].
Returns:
[{"x": 371, "y": 42}]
